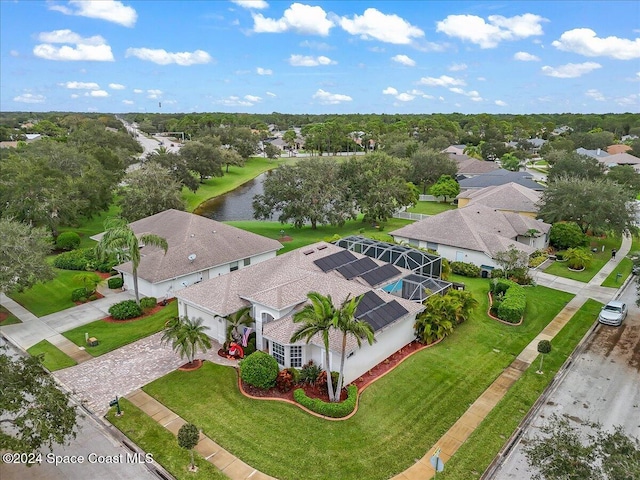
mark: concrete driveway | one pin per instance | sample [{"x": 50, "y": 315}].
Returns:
[{"x": 602, "y": 385}]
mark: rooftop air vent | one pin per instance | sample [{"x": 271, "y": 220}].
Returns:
[{"x": 192, "y": 257}]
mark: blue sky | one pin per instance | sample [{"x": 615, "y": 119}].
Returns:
[{"x": 320, "y": 57}]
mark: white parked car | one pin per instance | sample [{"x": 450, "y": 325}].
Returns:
[{"x": 613, "y": 313}]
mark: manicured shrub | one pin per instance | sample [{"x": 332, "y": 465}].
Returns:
[
  {"x": 115, "y": 282},
  {"x": 80, "y": 259},
  {"x": 309, "y": 373},
  {"x": 125, "y": 310},
  {"x": 68, "y": 241},
  {"x": 79, "y": 293},
  {"x": 259, "y": 369},
  {"x": 510, "y": 300},
  {"x": 465, "y": 269},
  {"x": 536, "y": 261},
  {"x": 328, "y": 409},
  {"x": 148, "y": 302},
  {"x": 567, "y": 235}
]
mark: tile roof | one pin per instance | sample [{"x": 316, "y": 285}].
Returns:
[
  {"x": 475, "y": 227},
  {"x": 213, "y": 243},
  {"x": 510, "y": 196},
  {"x": 500, "y": 177},
  {"x": 619, "y": 148},
  {"x": 621, "y": 159}
]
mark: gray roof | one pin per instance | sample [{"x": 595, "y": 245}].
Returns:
[
  {"x": 500, "y": 177},
  {"x": 599, "y": 153},
  {"x": 475, "y": 227},
  {"x": 621, "y": 159},
  {"x": 213, "y": 243},
  {"x": 472, "y": 166},
  {"x": 510, "y": 196}
]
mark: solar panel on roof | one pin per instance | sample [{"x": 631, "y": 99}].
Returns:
[
  {"x": 380, "y": 274},
  {"x": 335, "y": 260},
  {"x": 356, "y": 268},
  {"x": 368, "y": 302}
]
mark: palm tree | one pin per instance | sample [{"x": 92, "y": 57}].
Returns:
[
  {"x": 187, "y": 336},
  {"x": 318, "y": 317},
  {"x": 235, "y": 321},
  {"x": 437, "y": 319},
  {"x": 346, "y": 322},
  {"x": 463, "y": 303},
  {"x": 119, "y": 239}
]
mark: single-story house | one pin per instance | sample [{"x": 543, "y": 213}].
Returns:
[
  {"x": 470, "y": 167},
  {"x": 199, "y": 249},
  {"x": 499, "y": 177},
  {"x": 277, "y": 288},
  {"x": 535, "y": 144},
  {"x": 621, "y": 159},
  {"x": 598, "y": 153},
  {"x": 455, "y": 149},
  {"x": 510, "y": 197},
  {"x": 475, "y": 234},
  {"x": 618, "y": 148}
]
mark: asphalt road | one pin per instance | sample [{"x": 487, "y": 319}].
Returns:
[{"x": 602, "y": 385}]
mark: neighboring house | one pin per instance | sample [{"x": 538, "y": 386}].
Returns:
[
  {"x": 562, "y": 130},
  {"x": 277, "y": 288},
  {"x": 199, "y": 249},
  {"x": 470, "y": 167},
  {"x": 618, "y": 148},
  {"x": 598, "y": 153},
  {"x": 499, "y": 177},
  {"x": 475, "y": 234},
  {"x": 624, "y": 138},
  {"x": 455, "y": 149},
  {"x": 29, "y": 138},
  {"x": 535, "y": 145},
  {"x": 510, "y": 197},
  {"x": 622, "y": 159}
]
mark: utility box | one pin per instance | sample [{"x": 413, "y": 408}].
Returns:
[{"x": 92, "y": 342}]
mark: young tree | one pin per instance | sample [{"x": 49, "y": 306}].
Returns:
[
  {"x": 290, "y": 137},
  {"x": 317, "y": 318},
  {"x": 271, "y": 151},
  {"x": 512, "y": 261},
  {"x": 544, "y": 347},
  {"x": 241, "y": 318},
  {"x": 23, "y": 253},
  {"x": 188, "y": 437},
  {"x": 567, "y": 235},
  {"x": 427, "y": 166},
  {"x": 346, "y": 322},
  {"x": 446, "y": 187},
  {"x": 34, "y": 413},
  {"x": 187, "y": 336},
  {"x": 119, "y": 239},
  {"x": 231, "y": 157},
  {"x": 510, "y": 162}
]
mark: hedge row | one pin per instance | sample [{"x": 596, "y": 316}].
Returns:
[
  {"x": 328, "y": 409},
  {"x": 513, "y": 302},
  {"x": 148, "y": 302},
  {"x": 125, "y": 310},
  {"x": 115, "y": 282},
  {"x": 465, "y": 269},
  {"x": 82, "y": 259}
]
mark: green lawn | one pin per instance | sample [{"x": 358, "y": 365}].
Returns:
[
  {"x": 623, "y": 268},
  {"x": 400, "y": 416},
  {"x": 157, "y": 440},
  {"x": 91, "y": 226},
  {"x": 54, "y": 358},
  {"x": 431, "y": 208},
  {"x": 115, "y": 335},
  {"x": 305, "y": 235},
  {"x": 49, "y": 297},
  {"x": 479, "y": 450},
  {"x": 236, "y": 177},
  {"x": 599, "y": 259},
  {"x": 10, "y": 319}
]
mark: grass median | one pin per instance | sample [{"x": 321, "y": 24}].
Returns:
[
  {"x": 399, "y": 418},
  {"x": 52, "y": 357}
]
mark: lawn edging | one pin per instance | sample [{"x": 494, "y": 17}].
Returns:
[{"x": 504, "y": 322}]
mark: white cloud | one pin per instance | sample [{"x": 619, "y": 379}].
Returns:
[
  {"x": 116, "y": 86},
  {"x": 154, "y": 94},
  {"x": 404, "y": 60},
  {"x": 252, "y": 98},
  {"x": 298, "y": 18},
  {"x": 472, "y": 94},
  {"x": 327, "y": 98},
  {"x": 489, "y": 34},
  {"x": 629, "y": 100},
  {"x": 84, "y": 49},
  {"x": 405, "y": 97},
  {"x": 595, "y": 94},
  {"x": 584, "y": 41},
  {"x": 390, "y": 91},
  {"x": 80, "y": 85},
  {"x": 234, "y": 101},
  {"x": 321, "y": 46},
  {"x": 457, "y": 67},
  {"x": 442, "y": 81},
  {"x": 416, "y": 92},
  {"x": 525, "y": 57},
  {"x": 30, "y": 98},
  {"x": 251, "y": 4},
  {"x": 309, "y": 61},
  {"x": 386, "y": 28},
  {"x": 128, "y": 102},
  {"x": 137, "y": 90},
  {"x": 97, "y": 93},
  {"x": 501, "y": 103},
  {"x": 271, "y": 94},
  {"x": 263, "y": 71},
  {"x": 162, "y": 57},
  {"x": 570, "y": 70},
  {"x": 109, "y": 10}
]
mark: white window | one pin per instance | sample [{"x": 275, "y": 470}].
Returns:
[
  {"x": 266, "y": 317},
  {"x": 295, "y": 358},
  {"x": 277, "y": 351},
  {"x": 233, "y": 266},
  {"x": 246, "y": 262}
]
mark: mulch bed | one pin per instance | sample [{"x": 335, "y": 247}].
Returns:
[
  {"x": 190, "y": 366},
  {"x": 103, "y": 275},
  {"x": 286, "y": 238},
  {"x": 151, "y": 311}
]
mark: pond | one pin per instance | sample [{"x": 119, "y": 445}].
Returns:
[{"x": 234, "y": 205}]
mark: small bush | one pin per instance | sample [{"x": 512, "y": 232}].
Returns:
[
  {"x": 79, "y": 293},
  {"x": 513, "y": 303},
  {"x": 148, "y": 302},
  {"x": 68, "y": 241},
  {"x": 93, "y": 297},
  {"x": 536, "y": 261},
  {"x": 250, "y": 348},
  {"x": 80, "y": 259},
  {"x": 115, "y": 282},
  {"x": 259, "y": 369},
  {"x": 328, "y": 409},
  {"x": 284, "y": 381},
  {"x": 310, "y": 373},
  {"x": 497, "y": 273},
  {"x": 465, "y": 269},
  {"x": 125, "y": 310}
]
